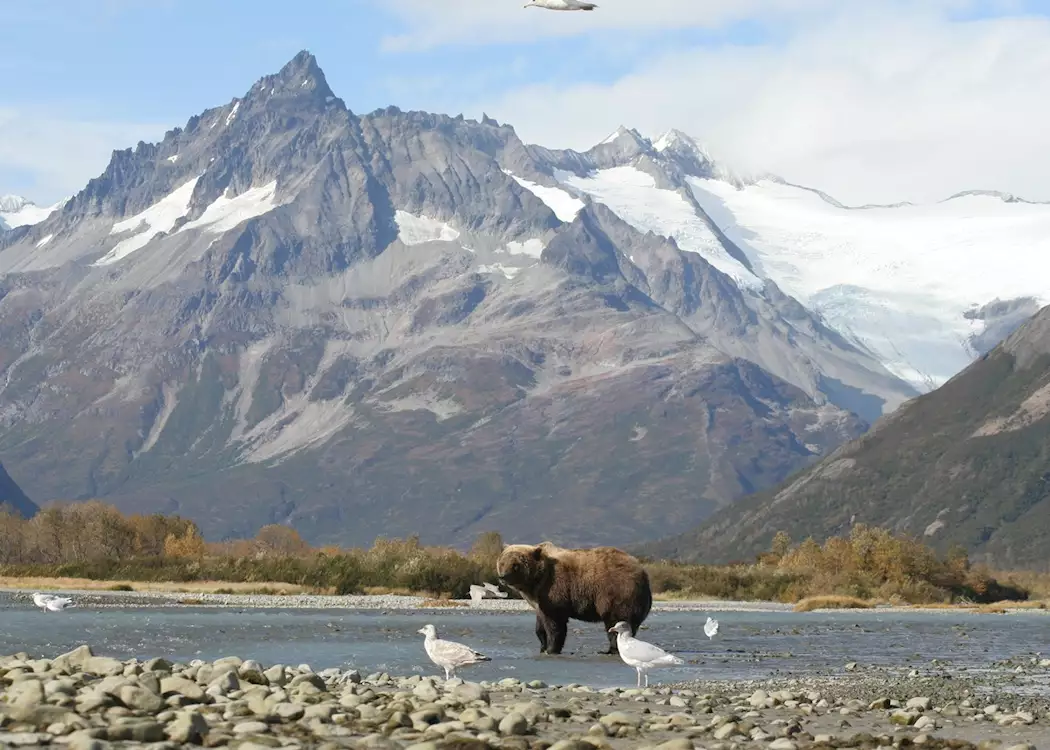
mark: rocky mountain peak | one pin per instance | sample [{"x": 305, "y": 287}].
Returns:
[
  {"x": 626, "y": 141},
  {"x": 301, "y": 75}
]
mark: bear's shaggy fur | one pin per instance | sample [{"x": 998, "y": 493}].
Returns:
[{"x": 603, "y": 584}]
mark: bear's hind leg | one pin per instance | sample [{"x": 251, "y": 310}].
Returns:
[
  {"x": 541, "y": 633},
  {"x": 613, "y": 648}
]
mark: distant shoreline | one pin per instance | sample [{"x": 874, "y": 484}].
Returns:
[
  {"x": 397, "y": 602},
  {"x": 169, "y": 595}
]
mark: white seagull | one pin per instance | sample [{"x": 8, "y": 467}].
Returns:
[
  {"x": 41, "y": 600},
  {"x": 639, "y": 654},
  {"x": 447, "y": 654},
  {"x": 710, "y": 627},
  {"x": 57, "y": 604},
  {"x": 561, "y": 5}
]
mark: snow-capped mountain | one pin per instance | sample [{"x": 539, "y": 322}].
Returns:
[
  {"x": 16, "y": 211},
  {"x": 924, "y": 289},
  {"x": 285, "y": 311}
]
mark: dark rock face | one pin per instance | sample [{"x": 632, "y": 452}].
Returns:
[
  {"x": 368, "y": 325},
  {"x": 964, "y": 465},
  {"x": 12, "y": 498}
]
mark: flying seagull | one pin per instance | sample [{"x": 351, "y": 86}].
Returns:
[
  {"x": 561, "y": 5},
  {"x": 639, "y": 654},
  {"x": 447, "y": 654},
  {"x": 710, "y": 627}
]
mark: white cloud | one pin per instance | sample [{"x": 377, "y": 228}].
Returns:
[
  {"x": 870, "y": 105},
  {"x": 60, "y": 155}
]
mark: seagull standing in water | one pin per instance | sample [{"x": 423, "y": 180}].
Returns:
[
  {"x": 57, "y": 604},
  {"x": 51, "y": 602},
  {"x": 561, "y": 4},
  {"x": 447, "y": 654},
  {"x": 639, "y": 654},
  {"x": 41, "y": 600}
]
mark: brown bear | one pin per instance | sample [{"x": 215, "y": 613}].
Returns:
[{"x": 603, "y": 584}]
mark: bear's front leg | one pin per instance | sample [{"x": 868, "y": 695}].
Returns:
[
  {"x": 557, "y": 634},
  {"x": 541, "y": 632}
]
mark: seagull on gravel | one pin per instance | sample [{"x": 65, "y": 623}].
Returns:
[
  {"x": 561, "y": 5},
  {"x": 447, "y": 654},
  {"x": 710, "y": 627},
  {"x": 639, "y": 654}
]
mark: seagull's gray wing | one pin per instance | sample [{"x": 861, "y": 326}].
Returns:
[
  {"x": 455, "y": 653},
  {"x": 647, "y": 653}
]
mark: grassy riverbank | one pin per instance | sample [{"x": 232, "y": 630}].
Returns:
[{"x": 100, "y": 548}]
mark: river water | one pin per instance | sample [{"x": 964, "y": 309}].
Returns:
[{"x": 749, "y": 645}]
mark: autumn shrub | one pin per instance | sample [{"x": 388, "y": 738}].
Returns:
[{"x": 94, "y": 540}]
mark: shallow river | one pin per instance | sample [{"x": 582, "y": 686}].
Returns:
[{"x": 748, "y": 645}]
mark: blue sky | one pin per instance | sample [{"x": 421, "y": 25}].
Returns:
[{"x": 81, "y": 78}]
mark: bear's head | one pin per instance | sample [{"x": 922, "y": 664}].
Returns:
[{"x": 524, "y": 567}]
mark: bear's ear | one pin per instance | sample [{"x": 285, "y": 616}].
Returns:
[{"x": 537, "y": 552}]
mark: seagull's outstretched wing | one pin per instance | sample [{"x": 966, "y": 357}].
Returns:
[{"x": 647, "y": 653}]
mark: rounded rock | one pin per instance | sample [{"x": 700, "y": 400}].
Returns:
[{"x": 513, "y": 724}]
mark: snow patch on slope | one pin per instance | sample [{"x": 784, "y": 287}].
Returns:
[
  {"x": 233, "y": 112},
  {"x": 508, "y": 272},
  {"x": 564, "y": 205},
  {"x": 226, "y": 213},
  {"x": 633, "y": 195},
  {"x": 16, "y": 211},
  {"x": 45, "y": 240},
  {"x": 160, "y": 217},
  {"x": 415, "y": 230},
  {"x": 532, "y": 248},
  {"x": 896, "y": 280}
]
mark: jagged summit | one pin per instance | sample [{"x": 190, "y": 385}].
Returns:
[
  {"x": 626, "y": 138},
  {"x": 300, "y": 77}
]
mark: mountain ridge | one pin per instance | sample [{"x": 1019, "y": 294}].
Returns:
[{"x": 963, "y": 465}]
